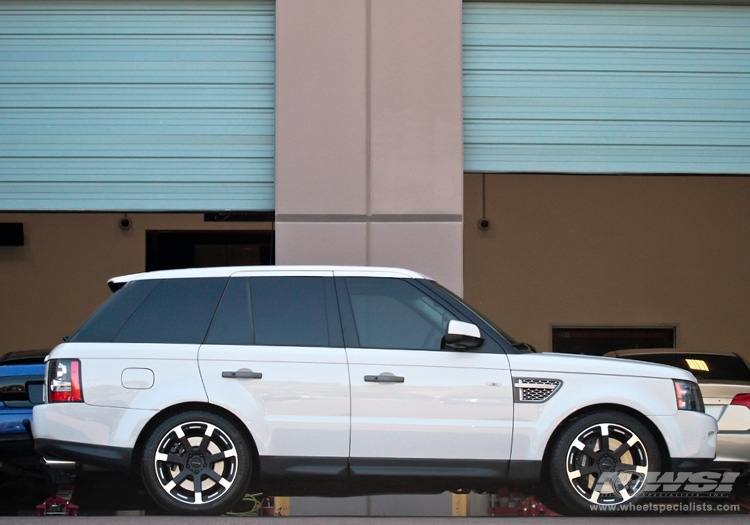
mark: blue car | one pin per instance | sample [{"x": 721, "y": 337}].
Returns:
[
  {"x": 21, "y": 387},
  {"x": 22, "y": 482}
]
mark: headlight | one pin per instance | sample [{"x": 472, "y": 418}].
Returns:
[{"x": 688, "y": 396}]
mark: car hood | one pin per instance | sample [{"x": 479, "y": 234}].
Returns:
[{"x": 583, "y": 364}]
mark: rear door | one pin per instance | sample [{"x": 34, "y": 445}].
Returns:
[{"x": 274, "y": 356}]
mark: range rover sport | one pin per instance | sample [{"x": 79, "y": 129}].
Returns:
[{"x": 350, "y": 380}]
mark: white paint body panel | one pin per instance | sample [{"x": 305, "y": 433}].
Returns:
[
  {"x": 451, "y": 405},
  {"x": 300, "y": 407},
  {"x": 91, "y": 425},
  {"x": 591, "y": 381},
  {"x": 174, "y": 367}
]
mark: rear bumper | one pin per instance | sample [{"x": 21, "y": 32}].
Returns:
[
  {"x": 108, "y": 458},
  {"x": 12, "y": 426},
  {"x": 733, "y": 447}
]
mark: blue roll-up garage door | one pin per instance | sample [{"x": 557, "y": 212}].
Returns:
[
  {"x": 137, "y": 105},
  {"x": 590, "y": 88}
]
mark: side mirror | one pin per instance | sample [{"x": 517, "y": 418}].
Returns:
[{"x": 462, "y": 336}]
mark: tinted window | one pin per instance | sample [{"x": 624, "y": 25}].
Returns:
[
  {"x": 108, "y": 319},
  {"x": 703, "y": 366},
  {"x": 392, "y": 313},
  {"x": 277, "y": 311},
  {"x": 232, "y": 324},
  {"x": 177, "y": 311},
  {"x": 289, "y": 311}
]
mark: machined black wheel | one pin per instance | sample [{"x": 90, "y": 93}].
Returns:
[
  {"x": 197, "y": 463},
  {"x": 601, "y": 463}
]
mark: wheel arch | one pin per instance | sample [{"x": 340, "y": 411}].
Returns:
[
  {"x": 655, "y": 432},
  {"x": 184, "y": 407}
]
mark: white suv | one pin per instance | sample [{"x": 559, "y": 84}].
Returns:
[{"x": 341, "y": 381}]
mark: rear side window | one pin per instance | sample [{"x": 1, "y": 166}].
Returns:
[
  {"x": 108, "y": 319},
  {"x": 176, "y": 311},
  {"x": 276, "y": 311}
]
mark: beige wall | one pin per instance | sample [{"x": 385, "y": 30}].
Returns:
[
  {"x": 369, "y": 134},
  {"x": 52, "y": 283},
  {"x": 612, "y": 251}
]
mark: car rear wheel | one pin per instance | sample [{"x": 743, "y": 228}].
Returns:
[
  {"x": 600, "y": 463},
  {"x": 196, "y": 462}
]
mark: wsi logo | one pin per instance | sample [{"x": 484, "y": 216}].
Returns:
[
  {"x": 691, "y": 483},
  {"x": 667, "y": 484}
]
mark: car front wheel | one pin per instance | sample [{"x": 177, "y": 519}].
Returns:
[
  {"x": 600, "y": 463},
  {"x": 196, "y": 462}
]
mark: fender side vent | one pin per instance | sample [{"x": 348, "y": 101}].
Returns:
[{"x": 535, "y": 390}]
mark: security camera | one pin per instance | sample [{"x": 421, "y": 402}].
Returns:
[
  {"x": 483, "y": 224},
  {"x": 125, "y": 223}
]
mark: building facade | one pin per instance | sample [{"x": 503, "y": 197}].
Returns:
[{"x": 578, "y": 171}]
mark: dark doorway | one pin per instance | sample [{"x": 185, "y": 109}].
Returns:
[
  {"x": 166, "y": 250},
  {"x": 599, "y": 341}
]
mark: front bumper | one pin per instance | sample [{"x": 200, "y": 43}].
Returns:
[{"x": 690, "y": 438}]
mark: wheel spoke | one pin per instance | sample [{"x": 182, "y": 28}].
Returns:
[
  {"x": 220, "y": 456},
  {"x": 217, "y": 478},
  {"x": 180, "y": 477},
  {"x": 624, "y": 447},
  {"x": 206, "y": 439},
  {"x": 173, "y": 459},
  {"x": 585, "y": 471},
  {"x": 197, "y": 490},
  {"x": 638, "y": 469},
  {"x": 182, "y": 438},
  {"x": 586, "y": 449}
]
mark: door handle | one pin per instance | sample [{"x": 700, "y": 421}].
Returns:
[
  {"x": 242, "y": 374},
  {"x": 384, "y": 378}
]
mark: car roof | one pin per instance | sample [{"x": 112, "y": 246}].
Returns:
[{"x": 229, "y": 271}]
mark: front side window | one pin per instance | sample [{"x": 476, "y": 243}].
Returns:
[{"x": 394, "y": 314}]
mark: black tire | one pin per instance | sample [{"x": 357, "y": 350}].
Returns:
[
  {"x": 600, "y": 462},
  {"x": 196, "y": 463}
]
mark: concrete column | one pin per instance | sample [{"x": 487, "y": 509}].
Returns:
[{"x": 369, "y": 166}]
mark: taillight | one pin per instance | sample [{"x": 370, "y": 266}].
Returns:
[
  {"x": 64, "y": 381},
  {"x": 741, "y": 399}
]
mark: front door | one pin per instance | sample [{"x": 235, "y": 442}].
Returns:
[{"x": 413, "y": 400}]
